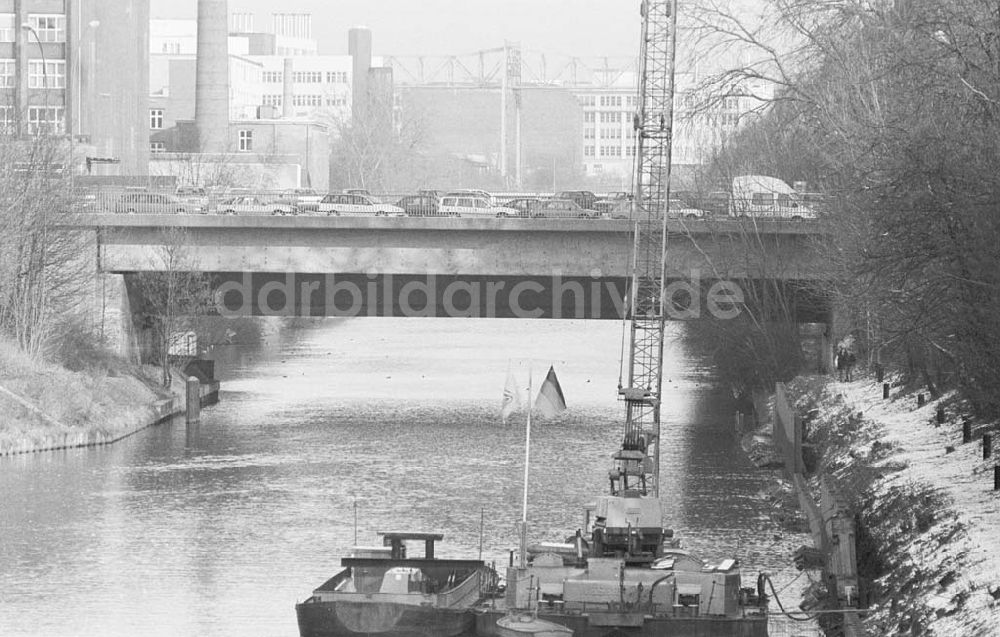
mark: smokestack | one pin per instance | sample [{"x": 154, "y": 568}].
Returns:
[
  {"x": 211, "y": 110},
  {"x": 288, "y": 92},
  {"x": 359, "y": 46}
]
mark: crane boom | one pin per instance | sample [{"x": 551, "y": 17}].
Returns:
[{"x": 637, "y": 463}]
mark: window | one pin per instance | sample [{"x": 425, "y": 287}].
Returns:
[
  {"x": 611, "y": 117},
  {"x": 52, "y": 76},
  {"x": 156, "y": 118},
  {"x": 45, "y": 119},
  {"x": 336, "y": 77},
  {"x": 336, "y": 101},
  {"x": 50, "y": 28},
  {"x": 588, "y": 151},
  {"x": 762, "y": 199},
  {"x": 171, "y": 48},
  {"x": 7, "y": 73},
  {"x": 589, "y": 116},
  {"x": 246, "y": 141},
  {"x": 272, "y": 77},
  {"x": 7, "y": 27},
  {"x": 271, "y": 99},
  {"x": 6, "y": 119},
  {"x": 157, "y": 147},
  {"x": 588, "y": 133}
]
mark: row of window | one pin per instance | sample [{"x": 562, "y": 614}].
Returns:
[
  {"x": 609, "y": 133},
  {"x": 276, "y": 99},
  {"x": 609, "y": 151},
  {"x": 49, "y": 27},
  {"x": 47, "y": 119},
  {"x": 50, "y": 75},
  {"x": 305, "y": 77}
]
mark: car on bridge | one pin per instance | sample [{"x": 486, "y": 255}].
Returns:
[
  {"x": 583, "y": 198},
  {"x": 302, "y": 198},
  {"x": 419, "y": 205},
  {"x": 614, "y": 203},
  {"x": 763, "y": 197},
  {"x": 154, "y": 203},
  {"x": 254, "y": 205},
  {"x": 346, "y": 205},
  {"x": 481, "y": 194},
  {"x": 468, "y": 206},
  {"x": 563, "y": 208},
  {"x": 524, "y": 205}
]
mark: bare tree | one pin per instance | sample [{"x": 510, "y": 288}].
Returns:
[{"x": 170, "y": 300}]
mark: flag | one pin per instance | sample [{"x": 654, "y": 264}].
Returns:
[
  {"x": 550, "y": 399},
  {"x": 511, "y": 397}
]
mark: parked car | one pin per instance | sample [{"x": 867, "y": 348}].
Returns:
[
  {"x": 524, "y": 205},
  {"x": 356, "y": 191},
  {"x": 583, "y": 198},
  {"x": 473, "y": 207},
  {"x": 345, "y": 205},
  {"x": 566, "y": 208},
  {"x": 419, "y": 205},
  {"x": 154, "y": 203},
  {"x": 614, "y": 203},
  {"x": 765, "y": 197},
  {"x": 254, "y": 204},
  {"x": 302, "y": 198},
  {"x": 480, "y": 194},
  {"x": 681, "y": 210}
]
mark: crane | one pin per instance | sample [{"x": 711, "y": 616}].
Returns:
[{"x": 629, "y": 520}]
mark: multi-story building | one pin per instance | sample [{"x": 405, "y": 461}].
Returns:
[
  {"x": 283, "y": 100},
  {"x": 701, "y": 124},
  {"x": 78, "y": 69}
]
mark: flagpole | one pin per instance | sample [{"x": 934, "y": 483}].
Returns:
[
  {"x": 527, "y": 448},
  {"x": 523, "y": 557}
]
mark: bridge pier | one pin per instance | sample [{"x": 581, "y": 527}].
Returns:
[{"x": 113, "y": 316}]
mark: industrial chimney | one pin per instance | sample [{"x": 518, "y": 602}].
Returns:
[
  {"x": 211, "y": 110},
  {"x": 359, "y": 46}
]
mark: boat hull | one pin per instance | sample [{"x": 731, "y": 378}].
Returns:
[
  {"x": 635, "y": 625},
  {"x": 340, "y": 618}
]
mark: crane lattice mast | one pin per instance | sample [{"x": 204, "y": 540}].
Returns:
[{"x": 638, "y": 460}]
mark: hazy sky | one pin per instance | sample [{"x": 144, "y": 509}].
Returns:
[{"x": 582, "y": 28}]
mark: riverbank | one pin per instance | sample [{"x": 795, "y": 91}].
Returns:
[
  {"x": 47, "y": 407},
  {"x": 928, "y": 551}
]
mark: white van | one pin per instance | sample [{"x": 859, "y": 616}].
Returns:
[{"x": 766, "y": 197}]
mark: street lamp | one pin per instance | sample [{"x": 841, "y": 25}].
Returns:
[{"x": 45, "y": 70}]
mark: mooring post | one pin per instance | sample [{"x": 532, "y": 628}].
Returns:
[
  {"x": 193, "y": 388},
  {"x": 940, "y": 415},
  {"x": 920, "y": 400},
  {"x": 966, "y": 431},
  {"x": 996, "y": 477},
  {"x": 879, "y": 372},
  {"x": 987, "y": 446},
  {"x": 885, "y": 390}
]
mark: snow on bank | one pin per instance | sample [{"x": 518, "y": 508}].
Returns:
[{"x": 931, "y": 512}]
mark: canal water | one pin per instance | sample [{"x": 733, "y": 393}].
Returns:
[{"x": 329, "y": 431}]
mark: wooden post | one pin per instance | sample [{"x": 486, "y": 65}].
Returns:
[
  {"x": 193, "y": 400},
  {"x": 920, "y": 400},
  {"x": 966, "y": 431},
  {"x": 885, "y": 390},
  {"x": 940, "y": 415},
  {"x": 996, "y": 477},
  {"x": 987, "y": 446}
]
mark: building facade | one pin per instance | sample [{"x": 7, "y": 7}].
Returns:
[{"x": 78, "y": 69}]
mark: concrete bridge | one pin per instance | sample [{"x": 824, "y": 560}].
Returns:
[{"x": 376, "y": 266}]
